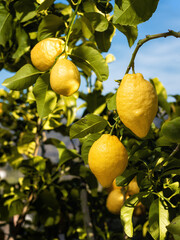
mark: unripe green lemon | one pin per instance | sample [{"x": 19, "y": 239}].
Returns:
[
  {"x": 107, "y": 159},
  {"x": 65, "y": 77},
  {"x": 44, "y": 53},
  {"x": 137, "y": 103}
]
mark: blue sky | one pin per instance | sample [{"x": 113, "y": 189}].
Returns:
[{"x": 157, "y": 58}]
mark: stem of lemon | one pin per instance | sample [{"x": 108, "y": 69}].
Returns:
[
  {"x": 112, "y": 129},
  {"x": 71, "y": 25},
  {"x": 148, "y": 38}
]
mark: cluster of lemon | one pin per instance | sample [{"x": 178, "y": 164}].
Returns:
[
  {"x": 136, "y": 102},
  {"x": 64, "y": 75},
  {"x": 137, "y": 105},
  {"x": 117, "y": 196}
]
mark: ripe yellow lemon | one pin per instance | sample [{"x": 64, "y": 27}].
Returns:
[
  {"x": 113, "y": 186},
  {"x": 133, "y": 187},
  {"x": 44, "y": 53},
  {"x": 137, "y": 103},
  {"x": 107, "y": 159},
  {"x": 1, "y": 108},
  {"x": 64, "y": 77},
  {"x": 115, "y": 201},
  {"x": 139, "y": 210}
]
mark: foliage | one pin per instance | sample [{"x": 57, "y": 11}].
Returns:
[{"x": 45, "y": 138}]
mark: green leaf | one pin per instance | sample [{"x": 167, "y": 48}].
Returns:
[
  {"x": 95, "y": 102},
  {"x": 103, "y": 39},
  {"x": 16, "y": 207},
  {"x": 176, "y": 237},
  {"x": 172, "y": 171},
  {"x": 24, "y": 78},
  {"x": 93, "y": 59},
  {"x": 163, "y": 221},
  {"x": 131, "y": 32},
  {"x": 154, "y": 219},
  {"x": 51, "y": 123},
  {"x": 133, "y": 12},
  {"x": 162, "y": 94},
  {"x": 87, "y": 143},
  {"x": 111, "y": 102},
  {"x": 45, "y": 98},
  {"x": 49, "y": 25},
  {"x": 173, "y": 186},
  {"x": 163, "y": 141},
  {"x": 6, "y": 29},
  {"x": 64, "y": 153},
  {"x": 69, "y": 106},
  {"x": 25, "y": 10},
  {"x": 171, "y": 130},
  {"x": 89, "y": 124},
  {"x": 126, "y": 177},
  {"x": 126, "y": 214},
  {"x": 88, "y": 6},
  {"x": 173, "y": 227},
  {"x": 45, "y": 5},
  {"x": 23, "y": 42},
  {"x": 98, "y": 22},
  {"x": 86, "y": 27},
  {"x": 172, "y": 164},
  {"x": 158, "y": 220},
  {"x": 26, "y": 143}
]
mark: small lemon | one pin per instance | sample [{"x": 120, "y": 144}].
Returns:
[
  {"x": 137, "y": 103},
  {"x": 64, "y": 77},
  {"x": 44, "y": 53},
  {"x": 113, "y": 186},
  {"x": 115, "y": 201},
  {"x": 133, "y": 187},
  {"x": 107, "y": 159},
  {"x": 1, "y": 108},
  {"x": 139, "y": 210}
]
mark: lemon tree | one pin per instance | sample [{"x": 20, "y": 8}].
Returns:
[{"x": 76, "y": 163}]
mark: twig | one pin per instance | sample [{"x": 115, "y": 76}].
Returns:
[
  {"x": 71, "y": 25},
  {"x": 174, "y": 151},
  {"x": 23, "y": 215},
  {"x": 148, "y": 38},
  {"x": 37, "y": 141},
  {"x": 86, "y": 215}
]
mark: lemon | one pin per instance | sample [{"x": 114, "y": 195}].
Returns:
[
  {"x": 64, "y": 77},
  {"x": 139, "y": 210},
  {"x": 1, "y": 108},
  {"x": 133, "y": 187},
  {"x": 113, "y": 186},
  {"x": 44, "y": 53},
  {"x": 137, "y": 103},
  {"x": 107, "y": 159},
  {"x": 115, "y": 201}
]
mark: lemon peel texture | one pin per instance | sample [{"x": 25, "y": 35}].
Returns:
[
  {"x": 137, "y": 103},
  {"x": 65, "y": 77},
  {"x": 44, "y": 53},
  {"x": 115, "y": 201},
  {"x": 107, "y": 158}
]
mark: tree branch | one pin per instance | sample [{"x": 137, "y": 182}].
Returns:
[
  {"x": 86, "y": 215},
  {"x": 21, "y": 217},
  {"x": 148, "y": 38}
]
